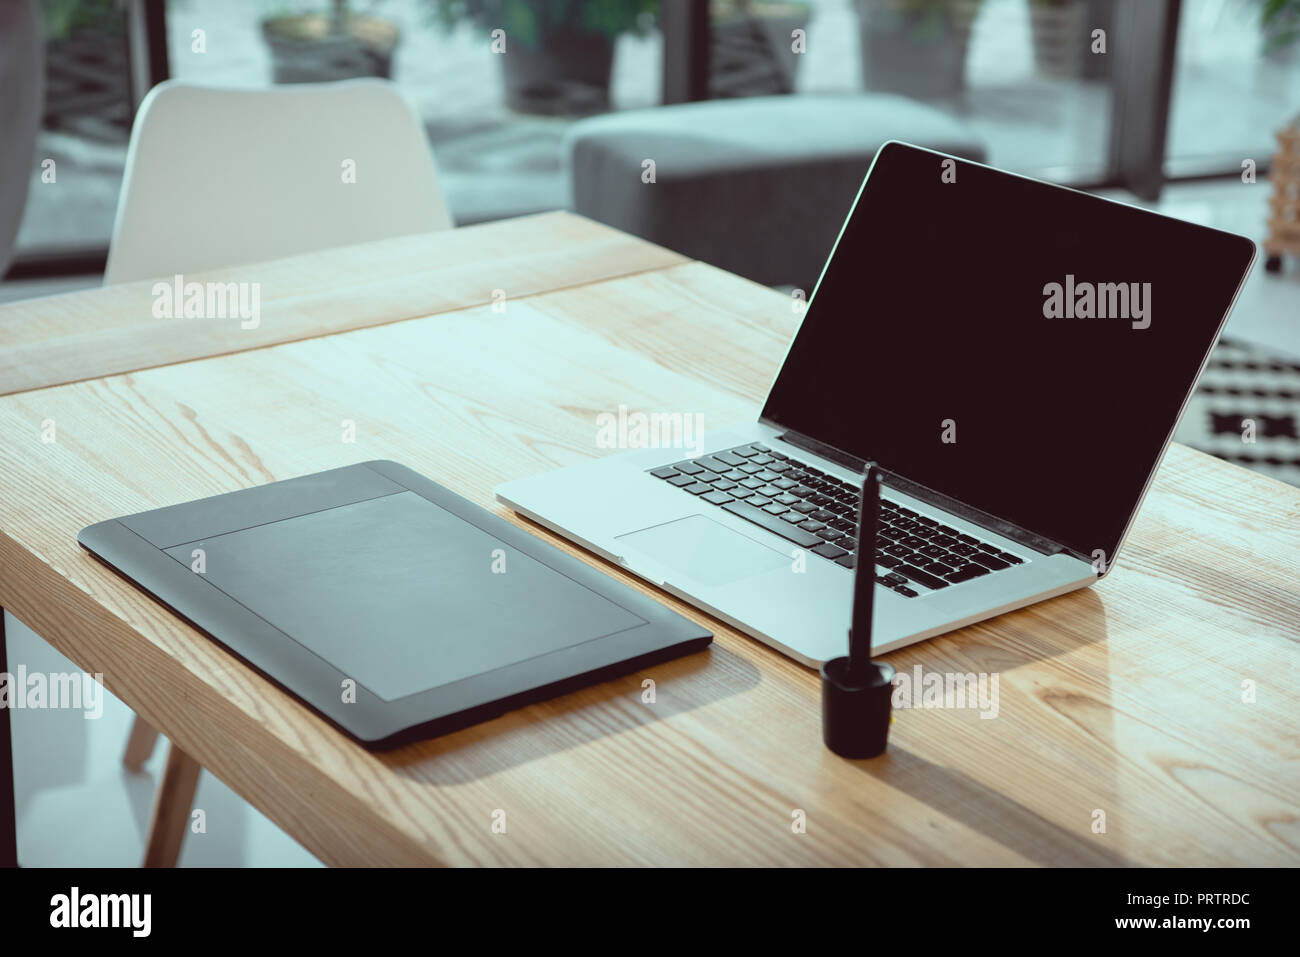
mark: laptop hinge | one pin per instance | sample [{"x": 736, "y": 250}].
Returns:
[{"x": 975, "y": 516}]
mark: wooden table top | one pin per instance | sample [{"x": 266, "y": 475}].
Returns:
[{"x": 1165, "y": 698}]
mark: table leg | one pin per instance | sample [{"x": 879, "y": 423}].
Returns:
[{"x": 8, "y": 814}]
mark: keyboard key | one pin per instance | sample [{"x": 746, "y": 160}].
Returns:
[
  {"x": 946, "y": 529},
  {"x": 744, "y": 452},
  {"x": 776, "y": 508},
  {"x": 989, "y": 561},
  {"x": 926, "y": 520},
  {"x": 986, "y": 547},
  {"x": 784, "y": 484},
  {"x": 767, "y": 475},
  {"x": 794, "y": 518},
  {"x": 688, "y": 468},
  {"x": 964, "y": 550},
  {"x": 912, "y": 541},
  {"x": 773, "y": 524},
  {"x": 751, "y": 469},
  {"x": 966, "y": 574},
  {"x": 787, "y": 500},
  {"x": 681, "y": 480},
  {"x": 804, "y": 507},
  {"x": 921, "y": 576},
  {"x": 778, "y": 467},
  {"x": 934, "y": 551},
  {"x": 759, "y": 447},
  {"x": 823, "y": 515},
  {"x": 827, "y": 550},
  {"x": 848, "y": 561},
  {"x": 905, "y": 591},
  {"x": 723, "y": 485},
  {"x": 843, "y": 524},
  {"x": 830, "y": 534},
  {"x": 1010, "y": 559},
  {"x": 771, "y": 491},
  {"x": 936, "y": 568},
  {"x": 751, "y": 482},
  {"x": 898, "y": 550},
  {"x": 893, "y": 578},
  {"x": 944, "y": 541},
  {"x": 777, "y": 455},
  {"x": 812, "y": 526},
  {"x": 758, "y": 501},
  {"x": 699, "y": 488},
  {"x": 666, "y": 472},
  {"x": 741, "y": 492},
  {"x": 716, "y": 498},
  {"x": 734, "y": 474},
  {"x": 887, "y": 561},
  {"x": 893, "y": 534},
  {"x": 713, "y": 464},
  {"x": 731, "y": 458},
  {"x": 968, "y": 540},
  {"x": 906, "y": 512}
]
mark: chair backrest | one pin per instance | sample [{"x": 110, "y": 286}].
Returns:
[{"x": 221, "y": 177}]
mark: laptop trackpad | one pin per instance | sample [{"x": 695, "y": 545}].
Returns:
[{"x": 705, "y": 551}]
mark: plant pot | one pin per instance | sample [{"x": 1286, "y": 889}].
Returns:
[
  {"x": 566, "y": 73},
  {"x": 1062, "y": 35},
  {"x": 917, "y": 54},
  {"x": 308, "y": 49},
  {"x": 754, "y": 55}
]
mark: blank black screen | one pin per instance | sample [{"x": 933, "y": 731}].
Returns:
[{"x": 932, "y": 309}]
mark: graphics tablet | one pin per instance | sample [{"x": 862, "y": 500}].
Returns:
[{"x": 392, "y": 606}]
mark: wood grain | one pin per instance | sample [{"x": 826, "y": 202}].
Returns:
[
  {"x": 93, "y": 333},
  {"x": 1126, "y": 698}
]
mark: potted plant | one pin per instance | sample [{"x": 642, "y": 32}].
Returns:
[
  {"x": 558, "y": 54},
  {"x": 335, "y": 45},
  {"x": 1062, "y": 31},
  {"x": 916, "y": 47},
  {"x": 87, "y": 75},
  {"x": 1279, "y": 24},
  {"x": 752, "y": 46}
]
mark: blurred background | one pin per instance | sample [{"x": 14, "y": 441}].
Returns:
[
  {"x": 1187, "y": 106},
  {"x": 1211, "y": 74}
]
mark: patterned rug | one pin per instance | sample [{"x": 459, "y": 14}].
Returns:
[{"x": 1246, "y": 410}]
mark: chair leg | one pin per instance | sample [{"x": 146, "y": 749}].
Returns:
[
  {"x": 171, "y": 809},
  {"x": 139, "y": 746}
]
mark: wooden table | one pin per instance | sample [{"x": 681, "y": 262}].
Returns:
[{"x": 1125, "y": 699}]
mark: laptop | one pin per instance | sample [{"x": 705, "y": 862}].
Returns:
[{"x": 1015, "y": 357}]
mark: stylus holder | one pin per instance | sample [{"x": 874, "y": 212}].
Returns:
[{"x": 856, "y": 713}]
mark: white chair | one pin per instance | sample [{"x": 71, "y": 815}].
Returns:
[{"x": 222, "y": 177}]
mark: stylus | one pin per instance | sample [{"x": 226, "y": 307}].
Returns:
[{"x": 864, "y": 576}]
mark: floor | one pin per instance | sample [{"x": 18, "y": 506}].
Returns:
[{"x": 78, "y": 805}]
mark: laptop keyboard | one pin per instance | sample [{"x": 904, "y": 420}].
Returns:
[{"x": 915, "y": 554}]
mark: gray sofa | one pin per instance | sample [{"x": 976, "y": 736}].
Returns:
[{"x": 758, "y": 186}]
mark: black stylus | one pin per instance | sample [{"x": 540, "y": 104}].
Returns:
[
  {"x": 864, "y": 576},
  {"x": 856, "y": 691}
]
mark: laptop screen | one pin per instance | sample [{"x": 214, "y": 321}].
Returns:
[{"x": 1020, "y": 347}]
